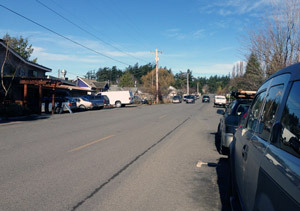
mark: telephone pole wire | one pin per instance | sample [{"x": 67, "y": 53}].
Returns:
[{"x": 156, "y": 60}]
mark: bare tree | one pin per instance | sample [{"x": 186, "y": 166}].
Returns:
[
  {"x": 276, "y": 42},
  {"x": 241, "y": 68},
  {"x": 7, "y": 85},
  {"x": 233, "y": 72}
]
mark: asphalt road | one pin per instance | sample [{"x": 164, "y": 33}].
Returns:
[{"x": 160, "y": 157}]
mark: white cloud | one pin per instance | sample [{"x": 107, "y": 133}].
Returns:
[
  {"x": 42, "y": 55},
  {"x": 235, "y": 7},
  {"x": 199, "y": 34},
  {"x": 126, "y": 54},
  {"x": 174, "y": 33}
]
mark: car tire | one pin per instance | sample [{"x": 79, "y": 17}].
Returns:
[
  {"x": 58, "y": 110},
  {"x": 82, "y": 108},
  {"x": 118, "y": 104}
]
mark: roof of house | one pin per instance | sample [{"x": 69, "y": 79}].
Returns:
[
  {"x": 46, "y": 69},
  {"x": 93, "y": 83},
  {"x": 66, "y": 82}
]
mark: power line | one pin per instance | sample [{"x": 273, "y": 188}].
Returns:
[
  {"x": 117, "y": 13},
  {"x": 54, "y": 32},
  {"x": 86, "y": 31}
]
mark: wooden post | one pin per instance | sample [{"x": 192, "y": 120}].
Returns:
[
  {"x": 53, "y": 101},
  {"x": 40, "y": 98},
  {"x": 25, "y": 95}
]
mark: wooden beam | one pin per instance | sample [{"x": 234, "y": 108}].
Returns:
[
  {"x": 40, "y": 98},
  {"x": 25, "y": 94}
]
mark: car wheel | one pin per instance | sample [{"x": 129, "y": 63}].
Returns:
[
  {"x": 58, "y": 110},
  {"x": 82, "y": 108},
  {"x": 118, "y": 104},
  {"x": 234, "y": 199},
  {"x": 223, "y": 150},
  {"x": 101, "y": 107}
]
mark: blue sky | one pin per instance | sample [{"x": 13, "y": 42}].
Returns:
[{"x": 204, "y": 36}]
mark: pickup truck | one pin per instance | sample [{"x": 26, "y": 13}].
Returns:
[{"x": 220, "y": 100}]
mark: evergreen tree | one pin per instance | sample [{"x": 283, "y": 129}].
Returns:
[
  {"x": 127, "y": 80},
  {"x": 20, "y": 45},
  {"x": 254, "y": 75}
]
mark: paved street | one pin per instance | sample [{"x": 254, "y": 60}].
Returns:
[{"x": 160, "y": 157}]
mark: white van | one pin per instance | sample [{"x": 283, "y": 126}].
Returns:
[{"x": 119, "y": 98}]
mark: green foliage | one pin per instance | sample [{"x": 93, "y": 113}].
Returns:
[
  {"x": 126, "y": 80},
  {"x": 109, "y": 74},
  {"x": 20, "y": 45},
  {"x": 114, "y": 74},
  {"x": 139, "y": 71},
  {"x": 254, "y": 75},
  {"x": 217, "y": 83}
]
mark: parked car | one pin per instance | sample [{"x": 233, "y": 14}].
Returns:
[
  {"x": 97, "y": 100},
  {"x": 119, "y": 98},
  {"x": 265, "y": 151},
  {"x": 205, "y": 99},
  {"x": 83, "y": 103},
  {"x": 145, "y": 101},
  {"x": 220, "y": 100},
  {"x": 184, "y": 97},
  {"x": 230, "y": 121},
  {"x": 106, "y": 101},
  {"x": 190, "y": 99},
  {"x": 62, "y": 104},
  {"x": 176, "y": 99}
]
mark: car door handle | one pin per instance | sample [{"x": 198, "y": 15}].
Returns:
[{"x": 245, "y": 152}]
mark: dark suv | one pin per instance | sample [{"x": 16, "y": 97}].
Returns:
[
  {"x": 265, "y": 152},
  {"x": 205, "y": 99},
  {"x": 230, "y": 121}
]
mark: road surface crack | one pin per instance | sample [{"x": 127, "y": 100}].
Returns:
[{"x": 126, "y": 166}]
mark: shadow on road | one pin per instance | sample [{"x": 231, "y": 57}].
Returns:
[
  {"x": 12, "y": 120},
  {"x": 223, "y": 174},
  {"x": 217, "y": 141}
]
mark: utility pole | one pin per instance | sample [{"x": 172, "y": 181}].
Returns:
[
  {"x": 197, "y": 87},
  {"x": 187, "y": 83},
  {"x": 156, "y": 60}
]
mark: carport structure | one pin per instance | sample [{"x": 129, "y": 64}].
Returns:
[
  {"x": 34, "y": 89},
  {"x": 42, "y": 84}
]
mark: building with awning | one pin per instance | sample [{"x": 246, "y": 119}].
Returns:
[{"x": 26, "y": 83}]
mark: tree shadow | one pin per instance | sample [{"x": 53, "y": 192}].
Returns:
[{"x": 35, "y": 117}]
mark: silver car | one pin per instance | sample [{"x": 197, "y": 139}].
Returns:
[{"x": 265, "y": 152}]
